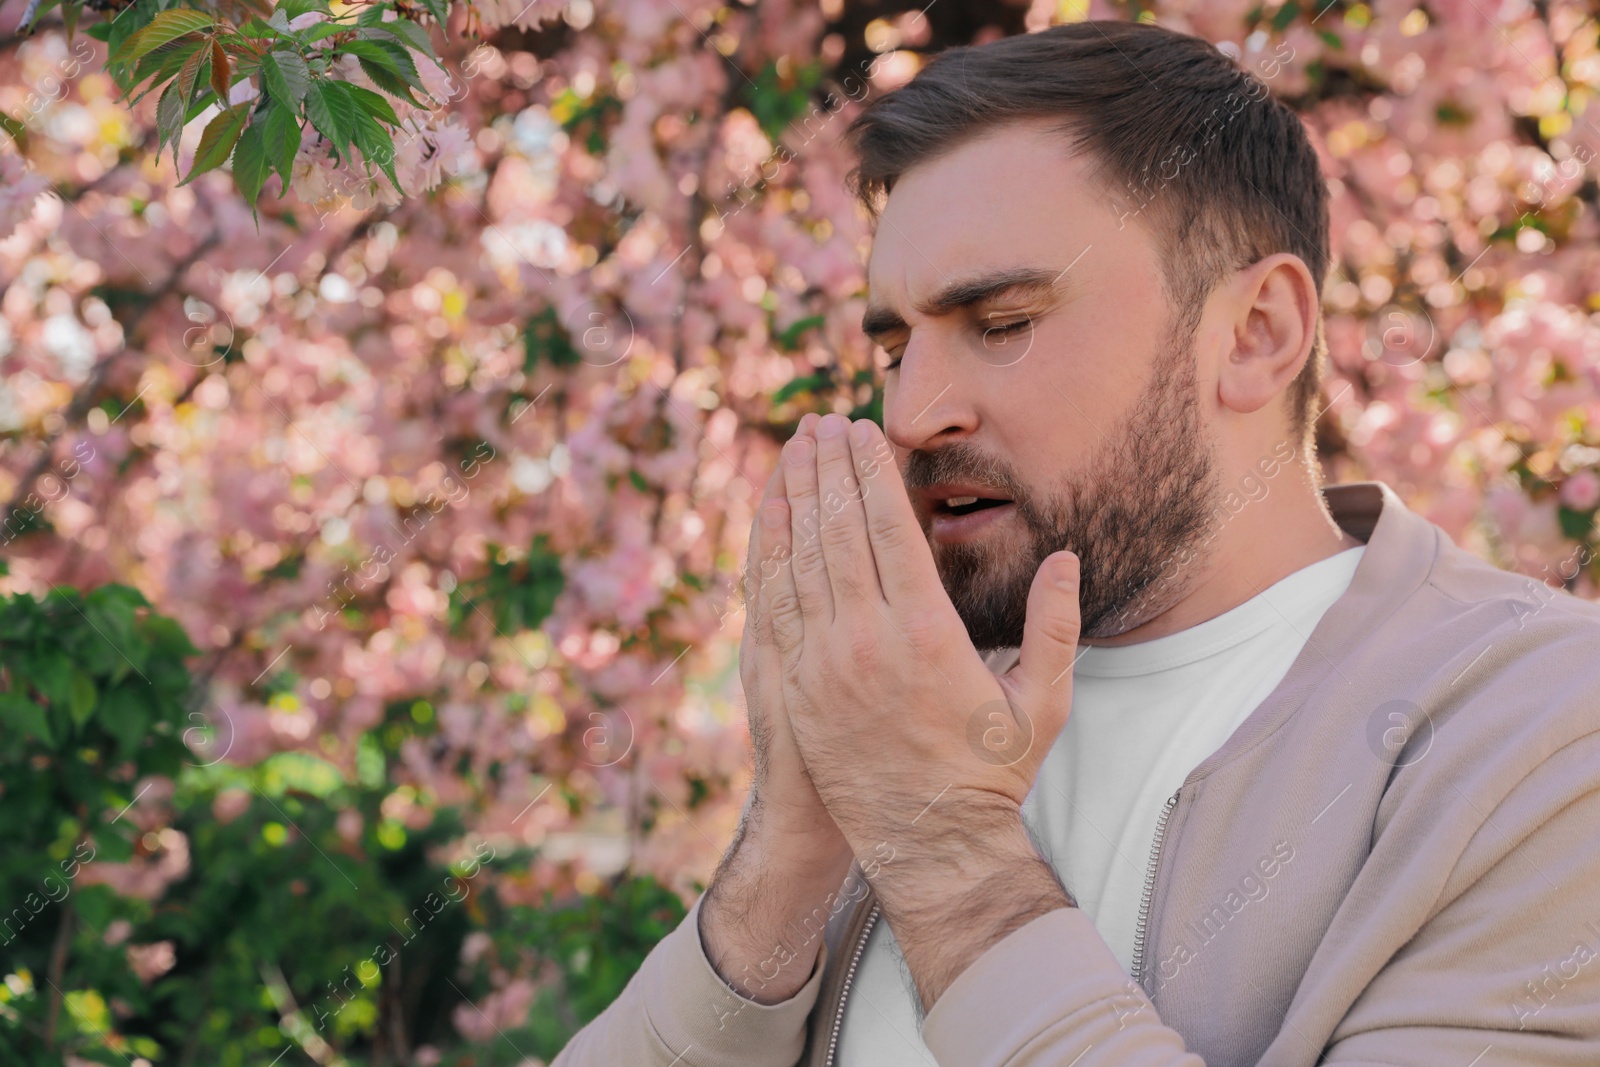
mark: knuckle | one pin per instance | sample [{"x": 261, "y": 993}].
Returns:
[
  {"x": 850, "y": 590},
  {"x": 783, "y": 612},
  {"x": 1061, "y": 626},
  {"x": 923, "y": 631},
  {"x": 809, "y": 561},
  {"x": 889, "y": 533},
  {"x": 837, "y": 531},
  {"x": 866, "y": 653},
  {"x": 808, "y": 522}
]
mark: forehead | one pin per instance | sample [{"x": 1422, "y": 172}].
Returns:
[{"x": 1016, "y": 194}]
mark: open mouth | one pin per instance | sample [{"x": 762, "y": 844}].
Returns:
[{"x": 966, "y": 505}]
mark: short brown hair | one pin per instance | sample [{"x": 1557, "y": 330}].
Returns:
[{"x": 1172, "y": 125}]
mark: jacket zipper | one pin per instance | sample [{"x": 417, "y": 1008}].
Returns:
[
  {"x": 1149, "y": 890},
  {"x": 849, "y": 977}
]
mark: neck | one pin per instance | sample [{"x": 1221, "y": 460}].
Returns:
[{"x": 1263, "y": 542}]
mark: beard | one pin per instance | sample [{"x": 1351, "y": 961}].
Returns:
[{"x": 1145, "y": 496}]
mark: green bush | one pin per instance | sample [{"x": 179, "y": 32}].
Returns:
[{"x": 288, "y": 927}]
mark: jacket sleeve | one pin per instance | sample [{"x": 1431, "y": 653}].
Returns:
[
  {"x": 676, "y": 1010},
  {"x": 1503, "y": 966},
  {"x": 1050, "y": 994},
  {"x": 1506, "y": 967}
]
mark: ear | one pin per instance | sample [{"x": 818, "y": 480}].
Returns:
[{"x": 1273, "y": 311}]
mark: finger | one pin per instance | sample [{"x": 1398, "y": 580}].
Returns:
[
  {"x": 779, "y": 600},
  {"x": 852, "y": 575},
  {"x": 808, "y": 571},
  {"x": 772, "y": 621},
  {"x": 1042, "y": 675},
  {"x": 760, "y": 664},
  {"x": 904, "y": 562},
  {"x": 757, "y": 556}
]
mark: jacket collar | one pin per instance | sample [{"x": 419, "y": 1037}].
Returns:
[{"x": 1402, "y": 548}]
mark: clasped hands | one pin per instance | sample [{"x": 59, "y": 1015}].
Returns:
[{"x": 870, "y": 709}]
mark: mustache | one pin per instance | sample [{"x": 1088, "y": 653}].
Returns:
[{"x": 961, "y": 462}]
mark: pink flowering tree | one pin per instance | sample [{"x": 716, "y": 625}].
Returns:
[{"x": 423, "y": 361}]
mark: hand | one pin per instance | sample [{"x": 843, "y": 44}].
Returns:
[
  {"x": 785, "y": 798},
  {"x": 892, "y": 707},
  {"x": 788, "y": 859},
  {"x": 920, "y": 753}
]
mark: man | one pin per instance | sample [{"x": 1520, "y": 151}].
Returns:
[{"x": 1089, "y": 727}]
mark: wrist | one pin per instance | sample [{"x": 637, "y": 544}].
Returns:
[
  {"x": 964, "y": 879},
  {"x": 762, "y": 918},
  {"x": 968, "y": 838},
  {"x": 807, "y": 845}
]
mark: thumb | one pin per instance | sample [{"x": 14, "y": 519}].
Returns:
[{"x": 1042, "y": 676}]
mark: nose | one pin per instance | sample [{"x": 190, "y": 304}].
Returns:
[{"x": 925, "y": 403}]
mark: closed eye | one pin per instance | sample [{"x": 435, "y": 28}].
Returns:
[{"x": 1004, "y": 329}]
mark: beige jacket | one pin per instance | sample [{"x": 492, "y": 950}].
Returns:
[{"x": 1394, "y": 860}]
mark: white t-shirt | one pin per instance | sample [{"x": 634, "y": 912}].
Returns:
[{"x": 1143, "y": 716}]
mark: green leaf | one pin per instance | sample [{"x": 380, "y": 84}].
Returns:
[
  {"x": 323, "y": 29},
  {"x": 376, "y": 145},
  {"x": 545, "y": 338},
  {"x": 82, "y": 699},
  {"x": 440, "y": 12},
  {"x": 166, "y": 636},
  {"x": 1285, "y": 15},
  {"x": 216, "y": 143},
  {"x": 789, "y": 339},
  {"x": 126, "y": 716},
  {"x": 371, "y": 103},
  {"x": 19, "y": 133},
  {"x": 39, "y": 13},
  {"x": 201, "y": 103},
  {"x": 118, "y": 32},
  {"x": 262, "y": 30},
  {"x": 295, "y": 8},
  {"x": 167, "y": 26},
  {"x": 285, "y": 76},
  {"x": 402, "y": 58},
  {"x": 250, "y": 168},
  {"x": 388, "y": 81},
  {"x": 371, "y": 16},
  {"x": 281, "y": 140},
  {"x": 794, "y": 386},
  {"x": 19, "y": 713},
  {"x": 52, "y": 676},
  {"x": 117, "y": 597},
  {"x": 298, "y": 771},
  {"x": 1575, "y": 524},
  {"x": 111, "y": 843},
  {"x": 776, "y": 100},
  {"x": 369, "y": 50},
  {"x": 164, "y": 62},
  {"x": 410, "y": 34},
  {"x": 333, "y": 112}
]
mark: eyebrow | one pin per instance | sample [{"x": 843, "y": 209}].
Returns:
[{"x": 880, "y": 320}]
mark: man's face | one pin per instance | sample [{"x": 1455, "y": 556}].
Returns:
[{"x": 1070, "y": 397}]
